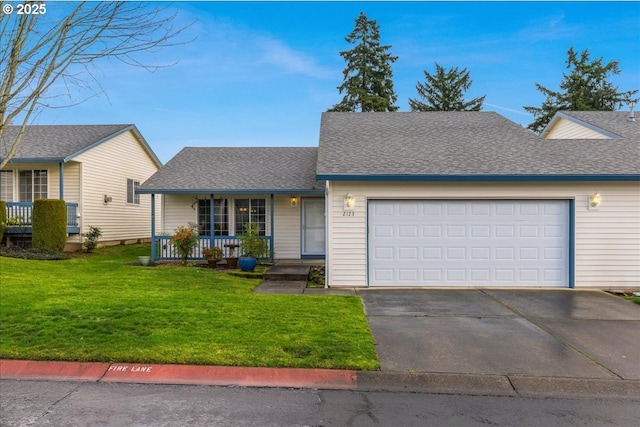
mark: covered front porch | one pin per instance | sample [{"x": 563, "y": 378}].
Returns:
[
  {"x": 292, "y": 225},
  {"x": 220, "y": 219},
  {"x": 222, "y": 189},
  {"x": 19, "y": 218}
]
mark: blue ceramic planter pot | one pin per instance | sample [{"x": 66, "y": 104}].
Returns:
[{"x": 247, "y": 263}]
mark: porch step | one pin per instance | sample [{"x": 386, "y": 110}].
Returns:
[{"x": 287, "y": 273}]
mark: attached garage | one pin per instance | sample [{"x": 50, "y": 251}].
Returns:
[
  {"x": 468, "y": 243},
  {"x": 427, "y": 199}
]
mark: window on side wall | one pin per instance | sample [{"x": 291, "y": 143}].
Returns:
[
  {"x": 220, "y": 217},
  {"x": 132, "y": 197},
  {"x": 250, "y": 211}
]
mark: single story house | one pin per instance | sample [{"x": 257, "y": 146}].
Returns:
[
  {"x": 94, "y": 168},
  {"x": 429, "y": 199}
]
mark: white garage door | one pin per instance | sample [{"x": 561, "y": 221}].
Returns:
[{"x": 468, "y": 243}]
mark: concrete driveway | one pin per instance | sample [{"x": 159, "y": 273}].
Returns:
[{"x": 547, "y": 333}]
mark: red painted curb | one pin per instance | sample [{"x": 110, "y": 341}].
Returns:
[
  {"x": 228, "y": 375},
  {"x": 73, "y": 371}
]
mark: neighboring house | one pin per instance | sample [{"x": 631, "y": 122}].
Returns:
[
  {"x": 94, "y": 168},
  {"x": 222, "y": 189},
  {"x": 434, "y": 199}
]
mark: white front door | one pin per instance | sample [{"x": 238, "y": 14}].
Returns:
[{"x": 313, "y": 228}]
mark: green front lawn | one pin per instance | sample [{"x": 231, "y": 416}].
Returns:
[{"x": 101, "y": 307}]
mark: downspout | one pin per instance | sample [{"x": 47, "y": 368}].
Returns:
[
  {"x": 153, "y": 227},
  {"x": 272, "y": 229},
  {"x": 327, "y": 234}
]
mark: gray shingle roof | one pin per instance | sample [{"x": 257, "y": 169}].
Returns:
[
  {"x": 616, "y": 122},
  {"x": 459, "y": 144},
  {"x": 57, "y": 142},
  {"x": 245, "y": 169}
]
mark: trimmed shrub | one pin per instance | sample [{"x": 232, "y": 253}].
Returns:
[
  {"x": 49, "y": 222},
  {"x": 3, "y": 217}
]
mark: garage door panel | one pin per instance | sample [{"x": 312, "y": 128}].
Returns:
[
  {"x": 431, "y": 231},
  {"x": 528, "y": 231},
  {"x": 505, "y": 231},
  {"x": 468, "y": 243},
  {"x": 408, "y": 209},
  {"x": 456, "y": 231},
  {"x": 410, "y": 231},
  {"x": 431, "y": 254},
  {"x": 480, "y": 231},
  {"x": 481, "y": 254}
]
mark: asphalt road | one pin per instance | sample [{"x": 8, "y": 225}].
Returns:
[{"x": 50, "y": 403}]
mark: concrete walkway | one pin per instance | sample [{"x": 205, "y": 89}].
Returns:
[{"x": 558, "y": 343}]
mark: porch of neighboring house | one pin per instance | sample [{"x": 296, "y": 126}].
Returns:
[{"x": 19, "y": 218}]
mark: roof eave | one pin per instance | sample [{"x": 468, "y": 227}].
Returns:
[
  {"x": 473, "y": 177},
  {"x": 228, "y": 191},
  {"x": 35, "y": 160}
]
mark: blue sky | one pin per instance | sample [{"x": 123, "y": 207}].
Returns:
[{"x": 261, "y": 73}]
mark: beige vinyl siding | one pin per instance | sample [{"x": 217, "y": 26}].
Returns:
[
  {"x": 105, "y": 170},
  {"x": 566, "y": 129},
  {"x": 177, "y": 211},
  {"x": 72, "y": 171},
  {"x": 607, "y": 240},
  {"x": 72, "y": 193}
]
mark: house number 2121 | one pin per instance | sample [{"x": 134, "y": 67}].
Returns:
[{"x": 348, "y": 213}]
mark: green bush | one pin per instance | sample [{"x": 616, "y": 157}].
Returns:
[
  {"x": 185, "y": 240},
  {"x": 49, "y": 222},
  {"x": 3, "y": 217},
  {"x": 91, "y": 238}
]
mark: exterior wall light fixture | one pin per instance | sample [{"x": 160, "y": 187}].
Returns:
[
  {"x": 293, "y": 202},
  {"x": 594, "y": 201},
  {"x": 349, "y": 201}
]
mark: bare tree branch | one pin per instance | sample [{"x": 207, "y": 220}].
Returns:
[{"x": 62, "y": 47}]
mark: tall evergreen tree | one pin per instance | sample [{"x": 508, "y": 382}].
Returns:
[
  {"x": 444, "y": 91},
  {"x": 585, "y": 88},
  {"x": 367, "y": 84}
]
